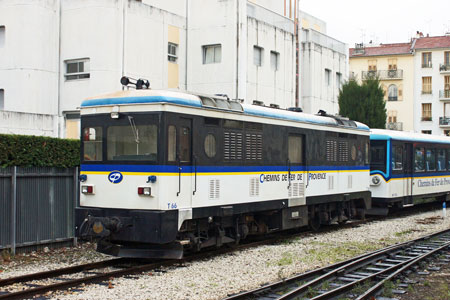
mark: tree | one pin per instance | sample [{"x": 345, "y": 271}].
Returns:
[{"x": 363, "y": 103}]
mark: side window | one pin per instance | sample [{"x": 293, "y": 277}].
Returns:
[
  {"x": 171, "y": 143},
  {"x": 185, "y": 144},
  {"x": 397, "y": 160},
  {"x": 367, "y": 153},
  {"x": 431, "y": 160},
  {"x": 210, "y": 145},
  {"x": 441, "y": 160},
  {"x": 92, "y": 143},
  {"x": 295, "y": 149},
  {"x": 419, "y": 160}
]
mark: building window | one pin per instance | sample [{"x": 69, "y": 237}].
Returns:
[
  {"x": 426, "y": 111},
  {"x": 372, "y": 65},
  {"x": 446, "y": 57},
  {"x": 426, "y": 131},
  {"x": 77, "y": 69},
  {"x": 258, "y": 53},
  {"x": 447, "y": 133},
  {"x": 426, "y": 60},
  {"x": 2, "y": 36},
  {"x": 392, "y": 93},
  {"x": 392, "y": 64},
  {"x": 338, "y": 80},
  {"x": 392, "y": 116},
  {"x": 426, "y": 85},
  {"x": 172, "y": 52},
  {"x": 212, "y": 54},
  {"x": 274, "y": 60},
  {"x": 2, "y": 99},
  {"x": 327, "y": 77}
]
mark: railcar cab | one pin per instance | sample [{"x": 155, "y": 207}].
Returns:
[{"x": 408, "y": 168}]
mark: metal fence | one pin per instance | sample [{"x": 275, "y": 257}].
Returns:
[{"x": 37, "y": 206}]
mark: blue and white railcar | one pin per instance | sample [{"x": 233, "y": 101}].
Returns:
[
  {"x": 163, "y": 171},
  {"x": 408, "y": 168}
]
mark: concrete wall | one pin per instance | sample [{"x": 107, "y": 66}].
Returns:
[
  {"x": 29, "y": 57},
  {"x": 28, "y": 123},
  {"x": 318, "y": 53}
]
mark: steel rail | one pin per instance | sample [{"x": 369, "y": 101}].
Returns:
[{"x": 328, "y": 272}]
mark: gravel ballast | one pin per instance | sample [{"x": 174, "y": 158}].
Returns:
[{"x": 217, "y": 277}]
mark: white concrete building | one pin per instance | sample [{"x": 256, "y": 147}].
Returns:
[
  {"x": 323, "y": 65},
  {"x": 55, "y": 53}
]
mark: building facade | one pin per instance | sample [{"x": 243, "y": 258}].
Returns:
[
  {"x": 416, "y": 79},
  {"x": 393, "y": 64},
  {"x": 55, "y": 53}
]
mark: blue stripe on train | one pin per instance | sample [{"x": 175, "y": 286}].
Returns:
[{"x": 213, "y": 169}]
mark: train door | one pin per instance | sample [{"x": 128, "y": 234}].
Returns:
[
  {"x": 179, "y": 135},
  {"x": 185, "y": 163},
  {"x": 408, "y": 174}
]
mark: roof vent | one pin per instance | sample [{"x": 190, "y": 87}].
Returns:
[
  {"x": 257, "y": 102},
  {"x": 322, "y": 112},
  {"x": 273, "y": 105},
  {"x": 295, "y": 109}
]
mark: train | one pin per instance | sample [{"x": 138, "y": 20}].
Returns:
[{"x": 165, "y": 171}]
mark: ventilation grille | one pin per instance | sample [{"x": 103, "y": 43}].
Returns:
[
  {"x": 343, "y": 151},
  {"x": 330, "y": 182},
  {"x": 232, "y": 146},
  {"x": 214, "y": 189},
  {"x": 297, "y": 189},
  {"x": 253, "y": 146},
  {"x": 254, "y": 187},
  {"x": 331, "y": 150},
  {"x": 350, "y": 181}
]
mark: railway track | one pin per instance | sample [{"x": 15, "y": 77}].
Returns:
[
  {"x": 30, "y": 285},
  {"x": 361, "y": 278}
]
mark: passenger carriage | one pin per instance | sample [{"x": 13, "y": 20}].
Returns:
[
  {"x": 408, "y": 168},
  {"x": 164, "y": 171}
]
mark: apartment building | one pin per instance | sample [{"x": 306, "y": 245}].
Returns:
[{"x": 416, "y": 79}]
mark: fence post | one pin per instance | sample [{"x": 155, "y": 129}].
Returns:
[
  {"x": 75, "y": 204},
  {"x": 13, "y": 209}
]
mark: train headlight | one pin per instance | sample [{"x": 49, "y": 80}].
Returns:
[
  {"x": 145, "y": 191},
  {"x": 376, "y": 180},
  {"x": 87, "y": 189}
]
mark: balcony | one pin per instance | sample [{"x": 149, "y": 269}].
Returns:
[
  {"x": 444, "y": 121},
  {"x": 390, "y": 74},
  {"x": 395, "y": 126},
  {"x": 369, "y": 75},
  {"x": 444, "y": 68},
  {"x": 444, "y": 95}
]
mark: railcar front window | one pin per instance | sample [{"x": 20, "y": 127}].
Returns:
[
  {"x": 419, "y": 159},
  {"x": 131, "y": 142},
  {"x": 92, "y": 143},
  {"x": 378, "y": 156}
]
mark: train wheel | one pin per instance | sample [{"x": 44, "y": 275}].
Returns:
[{"x": 314, "y": 223}]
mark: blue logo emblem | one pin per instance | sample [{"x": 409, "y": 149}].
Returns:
[{"x": 115, "y": 177}]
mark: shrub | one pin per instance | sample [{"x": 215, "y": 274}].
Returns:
[{"x": 38, "y": 151}]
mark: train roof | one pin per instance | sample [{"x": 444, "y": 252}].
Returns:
[
  {"x": 382, "y": 134},
  {"x": 147, "y": 96}
]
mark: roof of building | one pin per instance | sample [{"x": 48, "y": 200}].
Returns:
[
  {"x": 433, "y": 42},
  {"x": 383, "y": 49},
  {"x": 402, "y": 48}
]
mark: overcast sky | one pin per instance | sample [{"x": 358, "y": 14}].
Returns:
[{"x": 382, "y": 21}]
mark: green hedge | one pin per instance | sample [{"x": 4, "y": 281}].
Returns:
[{"x": 38, "y": 151}]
